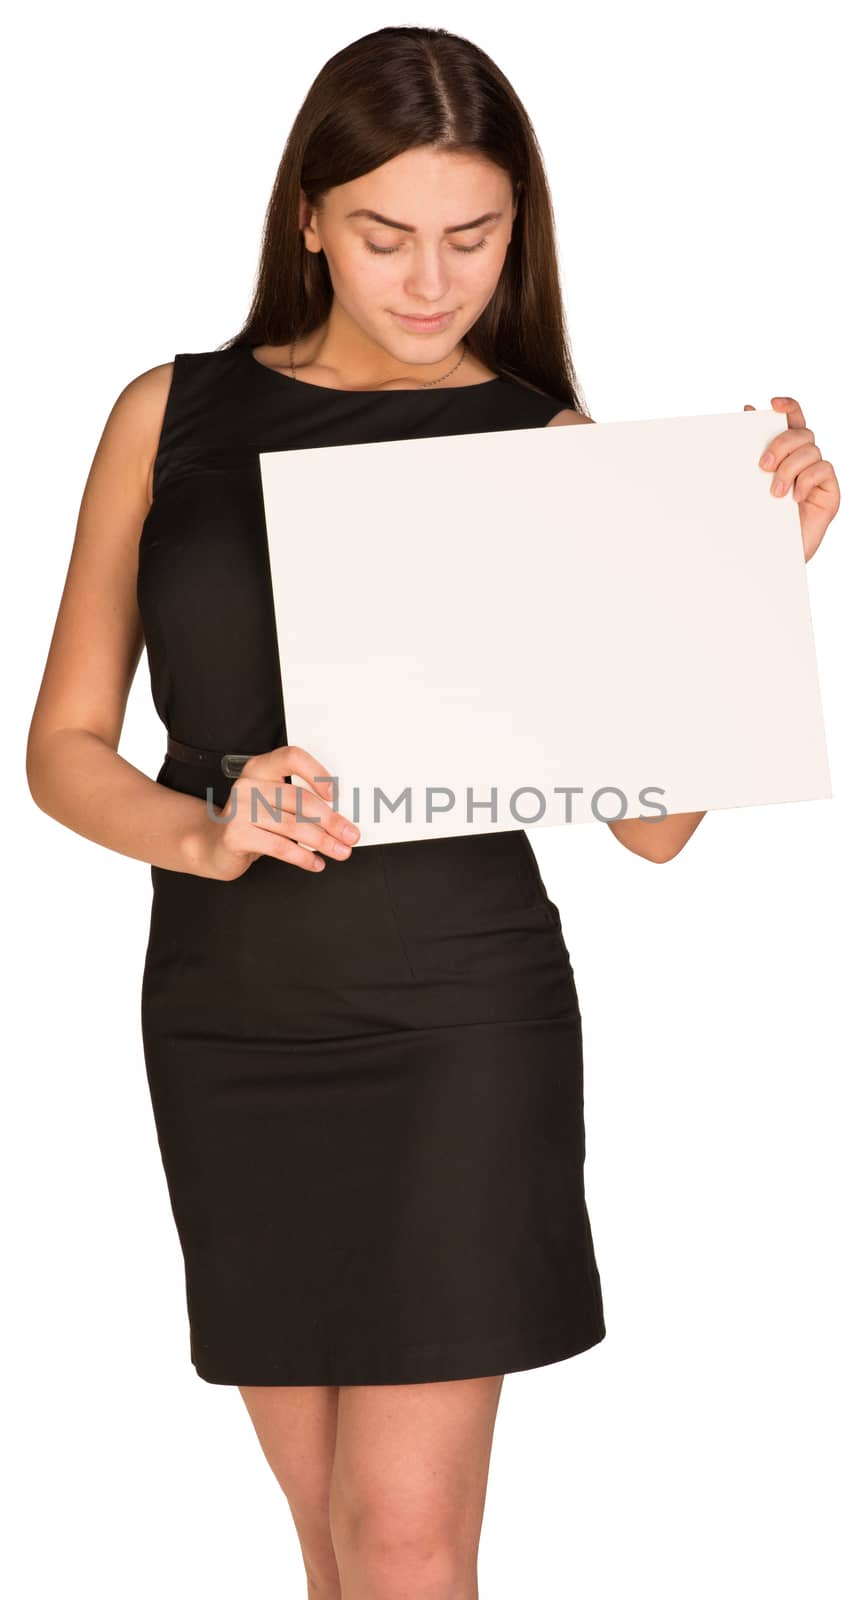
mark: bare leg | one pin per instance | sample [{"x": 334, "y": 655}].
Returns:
[
  {"x": 408, "y": 1488},
  {"x": 296, "y": 1428}
]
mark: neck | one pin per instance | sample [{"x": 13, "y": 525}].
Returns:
[{"x": 343, "y": 356}]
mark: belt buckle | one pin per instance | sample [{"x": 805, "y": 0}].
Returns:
[{"x": 232, "y": 764}]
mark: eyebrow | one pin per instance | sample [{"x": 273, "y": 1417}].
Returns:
[{"x": 460, "y": 227}]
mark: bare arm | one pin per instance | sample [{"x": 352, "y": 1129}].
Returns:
[
  {"x": 73, "y": 769},
  {"x": 657, "y": 839}
]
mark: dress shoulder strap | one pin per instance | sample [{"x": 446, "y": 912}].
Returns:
[{"x": 196, "y": 396}]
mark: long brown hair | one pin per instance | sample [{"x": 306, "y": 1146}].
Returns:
[{"x": 387, "y": 92}]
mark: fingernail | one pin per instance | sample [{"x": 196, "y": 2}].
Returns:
[{"x": 767, "y": 460}]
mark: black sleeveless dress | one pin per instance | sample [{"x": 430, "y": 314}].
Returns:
[{"x": 366, "y": 1082}]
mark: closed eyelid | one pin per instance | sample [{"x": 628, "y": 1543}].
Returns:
[
  {"x": 445, "y": 238},
  {"x": 387, "y": 250}
]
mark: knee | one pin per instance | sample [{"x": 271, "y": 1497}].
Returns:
[{"x": 389, "y": 1556}]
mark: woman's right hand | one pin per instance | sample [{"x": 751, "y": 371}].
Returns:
[{"x": 232, "y": 845}]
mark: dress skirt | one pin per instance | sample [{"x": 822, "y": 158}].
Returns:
[{"x": 367, "y": 1086}]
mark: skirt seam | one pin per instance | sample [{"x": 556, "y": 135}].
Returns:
[{"x": 519, "y": 1352}]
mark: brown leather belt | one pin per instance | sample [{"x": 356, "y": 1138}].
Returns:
[{"x": 229, "y": 764}]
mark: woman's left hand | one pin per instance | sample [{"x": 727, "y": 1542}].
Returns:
[{"x": 793, "y": 458}]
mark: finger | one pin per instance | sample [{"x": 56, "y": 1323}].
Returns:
[
  {"x": 792, "y": 466},
  {"x": 270, "y": 820},
  {"x": 785, "y": 444},
  {"x": 245, "y": 838},
  {"x": 287, "y": 759},
  {"x": 283, "y": 849},
  {"x": 333, "y": 836},
  {"x": 795, "y": 417},
  {"x": 280, "y": 807},
  {"x": 292, "y": 758},
  {"x": 818, "y": 484}
]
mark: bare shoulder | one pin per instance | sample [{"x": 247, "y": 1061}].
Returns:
[
  {"x": 144, "y": 397},
  {"x": 566, "y": 418},
  {"x": 135, "y": 421},
  {"x": 119, "y": 488},
  {"x": 153, "y": 385},
  {"x": 98, "y": 637}
]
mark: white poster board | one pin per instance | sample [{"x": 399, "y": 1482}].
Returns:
[{"x": 539, "y": 626}]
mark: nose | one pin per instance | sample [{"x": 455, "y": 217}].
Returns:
[{"x": 427, "y": 279}]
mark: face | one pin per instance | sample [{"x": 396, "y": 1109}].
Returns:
[{"x": 423, "y": 261}]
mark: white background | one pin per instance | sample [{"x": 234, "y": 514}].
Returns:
[{"x": 705, "y": 167}]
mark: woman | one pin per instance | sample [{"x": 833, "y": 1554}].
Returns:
[{"x": 365, "y": 1067}]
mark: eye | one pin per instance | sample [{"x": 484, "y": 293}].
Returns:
[{"x": 462, "y": 249}]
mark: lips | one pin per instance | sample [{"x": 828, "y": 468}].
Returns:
[{"x": 440, "y": 320}]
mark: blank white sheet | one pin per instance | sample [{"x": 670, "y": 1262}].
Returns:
[{"x": 618, "y": 610}]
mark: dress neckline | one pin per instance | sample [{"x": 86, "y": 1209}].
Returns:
[{"x": 285, "y": 377}]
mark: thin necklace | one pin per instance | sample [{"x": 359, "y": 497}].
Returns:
[{"x": 428, "y": 385}]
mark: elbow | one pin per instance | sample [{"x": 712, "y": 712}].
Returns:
[
  {"x": 31, "y": 771},
  {"x": 657, "y": 849},
  {"x": 33, "y": 784},
  {"x": 662, "y": 854},
  {"x": 35, "y": 768},
  {"x": 654, "y": 841}
]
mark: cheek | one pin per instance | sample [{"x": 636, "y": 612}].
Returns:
[
  {"x": 485, "y": 274},
  {"x": 364, "y": 276}
]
